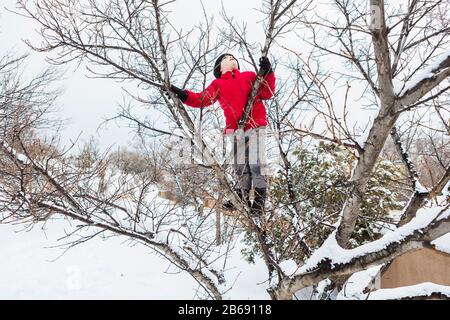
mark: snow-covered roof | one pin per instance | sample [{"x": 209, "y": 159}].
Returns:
[
  {"x": 425, "y": 289},
  {"x": 442, "y": 244}
]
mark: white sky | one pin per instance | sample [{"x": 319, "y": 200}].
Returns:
[{"x": 85, "y": 102}]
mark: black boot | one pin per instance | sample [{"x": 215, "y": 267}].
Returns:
[
  {"x": 259, "y": 201},
  {"x": 257, "y": 211},
  {"x": 244, "y": 197}
]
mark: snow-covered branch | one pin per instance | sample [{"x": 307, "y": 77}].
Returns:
[
  {"x": 421, "y": 194},
  {"x": 412, "y": 91},
  {"x": 332, "y": 259}
]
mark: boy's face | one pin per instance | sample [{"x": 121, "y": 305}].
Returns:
[{"x": 228, "y": 63}]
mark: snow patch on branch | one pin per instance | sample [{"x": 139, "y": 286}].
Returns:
[
  {"x": 419, "y": 187},
  {"x": 425, "y": 289},
  {"x": 444, "y": 215},
  {"x": 19, "y": 156},
  {"x": 401, "y": 88},
  {"x": 442, "y": 243},
  {"x": 362, "y": 137},
  {"x": 357, "y": 283},
  {"x": 332, "y": 251}
]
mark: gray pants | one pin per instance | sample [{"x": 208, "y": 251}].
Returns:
[{"x": 250, "y": 160}]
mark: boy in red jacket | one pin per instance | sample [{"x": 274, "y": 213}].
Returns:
[{"x": 232, "y": 89}]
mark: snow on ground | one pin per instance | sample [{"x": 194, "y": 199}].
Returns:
[
  {"x": 97, "y": 269},
  {"x": 102, "y": 269}
]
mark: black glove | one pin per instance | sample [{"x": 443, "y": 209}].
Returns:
[
  {"x": 265, "y": 66},
  {"x": 181, "y": 94}
]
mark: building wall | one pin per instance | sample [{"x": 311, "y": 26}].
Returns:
[{"x": 424, "y": 265}]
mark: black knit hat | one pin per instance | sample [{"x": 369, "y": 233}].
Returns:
[{"x": 217, "y": 72}]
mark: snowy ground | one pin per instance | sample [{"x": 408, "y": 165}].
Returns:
[
  {"x": 99, "y": 269},
  {"x": 32, "y": 268}
]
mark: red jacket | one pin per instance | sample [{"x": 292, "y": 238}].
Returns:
[{"x": 232, "y": 90}]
